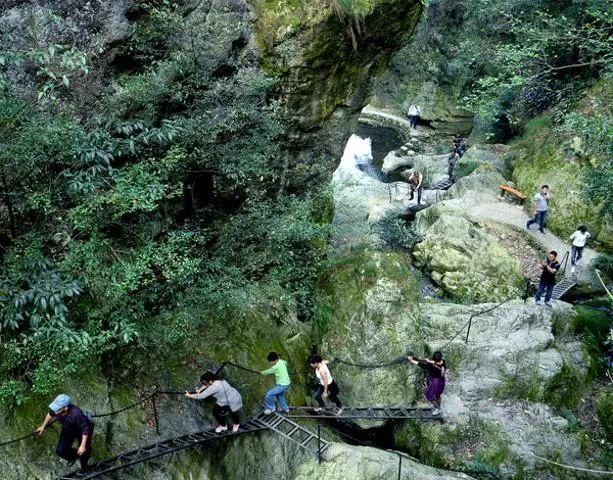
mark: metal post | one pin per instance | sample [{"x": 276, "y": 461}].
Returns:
[
  {"x": 565, "y": 260},
  {"x": 399, "y": 466},
  {"x": 319, "y": 442},
  {"x": 155, "y": 414},
  {"x": 389, "y": 191},
  {"x": 218, "y": 371},
  {"x": 526, "y": 294},
  {"x": 470, "y": 322}
]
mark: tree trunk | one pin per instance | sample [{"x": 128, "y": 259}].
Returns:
[{"x": 6, "y": 197}]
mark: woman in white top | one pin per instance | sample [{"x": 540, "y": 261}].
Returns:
[
  {"x": 228, "y": 402},
  {"x": 579, "y": 238},
  {"x": 327, "y": 386}
]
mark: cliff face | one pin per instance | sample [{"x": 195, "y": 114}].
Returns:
[{"x": 327, "y": 63}]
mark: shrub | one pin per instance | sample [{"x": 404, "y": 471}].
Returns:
[
  {"x": 604, "y": 262},
  {"x": 396, "y": 233},
  {"x": 604, "y": 407}
]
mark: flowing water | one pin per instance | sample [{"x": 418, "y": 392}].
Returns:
[{"x": 382, "y": 141}]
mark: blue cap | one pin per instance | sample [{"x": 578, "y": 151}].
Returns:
[{"x": 59, "y": 403}]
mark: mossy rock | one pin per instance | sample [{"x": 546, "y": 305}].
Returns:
[
  {"x": 457, "y": 446},
  {"x": 369, "y": 315},
  {"x": 326, "y": 64},
  {"x": 465, "y": 260},
  {"x": 538, "y": 160}
]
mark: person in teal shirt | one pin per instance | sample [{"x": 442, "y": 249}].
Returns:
[{"x": 282, "y": 383}]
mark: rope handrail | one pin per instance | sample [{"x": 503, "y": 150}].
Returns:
[
  {"x": 396, "y": 361},
  {"x": 19, "y": 439},
  {"x": 602, "y": 282},
  {"x": 473, "y": 315},
  {"x": 570, "y": 467},
  {"x": 121, "y": 410}
]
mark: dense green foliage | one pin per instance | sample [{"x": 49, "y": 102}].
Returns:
[
  {"x": 510, "y": 62},
  {"x": 170, "y": 194},
  {"x": 396, "y": 233}
]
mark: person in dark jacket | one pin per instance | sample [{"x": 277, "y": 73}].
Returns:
[
  {"x": 548, "y": 278},
  {"x": 75, "y": 426},
  {"x": 435, "y": 371}
]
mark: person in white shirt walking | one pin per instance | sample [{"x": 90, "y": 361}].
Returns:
[
  {"x": 327, "y": 386},
  {"x": 414, "y": 113},
  {"x": 579, "y": 238}
]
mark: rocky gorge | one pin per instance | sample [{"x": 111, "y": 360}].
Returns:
[{"x": 211, "y": 201}]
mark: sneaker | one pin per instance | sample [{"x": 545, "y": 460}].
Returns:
[
  {"x": 268, "y": 412},
  {"x": 527, "y": 227},
  {"x": 542, "y": 231},
  {"x": 538, "y": 302},
  {"x": 318, "y": 410},
  {"x": 339, "y": 411},
  {"x": 284, "y": 412},
  {"x": 221, "y": 428},
  {"x": 235, "y": 427},
  {"x": 572, "y": 270},
  {"x": 436, "y": 411},
  {"x": 548, "y": 304}
]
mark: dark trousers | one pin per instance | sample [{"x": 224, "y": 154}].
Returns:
[
  {"x": 544, "y": 287},
  {"x": 413, "y": 120},
  {"x": 419, "y": 190},
  {"x": 66, "y": 450},
  {"x": 539, "y": 218},
  {"x": 575, "y": 255},
  {"x": 451, "y": 161},
  {"x": 332, "y": 395},
  {"x": 221, "y": 414}
]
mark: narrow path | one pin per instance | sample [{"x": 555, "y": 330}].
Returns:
[
  {"x": 513, "y": 215},
  {"x": 388, "y": 118}
]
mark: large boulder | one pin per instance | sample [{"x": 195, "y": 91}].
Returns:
[
  {"x": 363, "y": 463},
  {"x": 326, "y": 66},
  {"x": 501, "y": 385},
  {"x": 268, "y": 455},
  {"x": 369, "y": 315},
  {"x": 465, "y": 260}
]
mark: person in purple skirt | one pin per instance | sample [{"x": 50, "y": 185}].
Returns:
[{"x": 435, "y": 371}]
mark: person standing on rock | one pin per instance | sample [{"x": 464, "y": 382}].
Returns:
[
  {"x": 282, "y": 384},
  {"x": 548, "y": 278},
  {"x": 540, "y": 209},
  {"x": 75, "y": 426},
  {"x": 228, "y": 402},
  {"x": 415, "y": 184},
  {"x": 435, "y": 380},
  {"x": 578, "y": 238},
  {"x": 327, "y": 386},
  {"x": 414, "y": 113}
]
